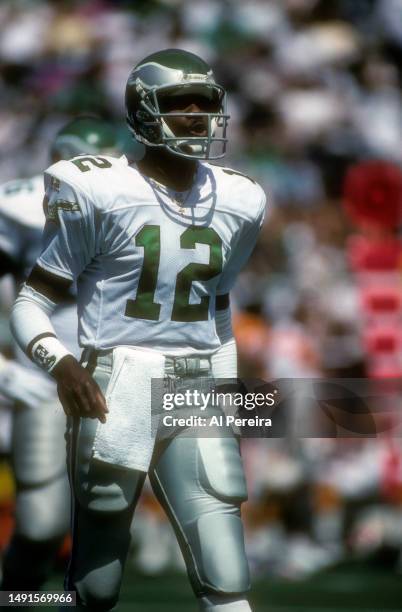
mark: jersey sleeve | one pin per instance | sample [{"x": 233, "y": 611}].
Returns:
[
  {"x": 69, "y": 239},
  {"x": 242, "y": 248}
]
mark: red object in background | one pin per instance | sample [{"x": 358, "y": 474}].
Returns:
[
  {"x": 372, "y": 194},
  {"x": 383, "y": 339},
  {"x": 379, "y": 300},
  {"x": 382, "y": 368},
  {"x": 366, "y": 255},
  {"x": 391, "y": 473}
]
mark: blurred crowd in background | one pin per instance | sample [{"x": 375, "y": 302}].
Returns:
[{"x": 314, "y": 86}]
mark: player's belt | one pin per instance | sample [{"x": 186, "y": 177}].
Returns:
[
  {"x": 187, "y": 366},
  {"x": 174, "y": 366}
]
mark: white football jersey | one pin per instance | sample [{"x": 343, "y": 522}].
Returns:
[
  {"x": 21, "y": 229},
  {"x": 22, "y": 220},
  {"x": 149, "y": 262}
]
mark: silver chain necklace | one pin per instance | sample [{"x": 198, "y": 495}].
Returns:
[{"x": 181, "y": 198}]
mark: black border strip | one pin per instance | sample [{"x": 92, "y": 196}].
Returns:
[
  {"x": 222, "y": 301},
  {"x": 34, "y": 340}
]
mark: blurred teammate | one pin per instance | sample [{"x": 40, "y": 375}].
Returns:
[
  {"x": 156, "y": 249},
  {"x": 38, "y": 446}
]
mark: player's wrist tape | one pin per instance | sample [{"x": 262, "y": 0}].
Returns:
[{"x": 46, "y": 351}]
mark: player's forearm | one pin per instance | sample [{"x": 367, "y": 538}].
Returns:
[{"x": 33, "y": 330}]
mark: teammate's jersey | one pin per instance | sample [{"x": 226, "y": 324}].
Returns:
[
  {"x": 21, "y": 228},
  {"x": 21, "y": 221},
  {"x": 148, "y": 269}
]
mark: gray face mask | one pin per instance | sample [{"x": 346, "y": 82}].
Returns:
[{"x": 153, "y": 130}]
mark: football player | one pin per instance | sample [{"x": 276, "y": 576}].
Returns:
[
  {"x": 156, "y": 248},
  {"x": 38, "y": 448}
]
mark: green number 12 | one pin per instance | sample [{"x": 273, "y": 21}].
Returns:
[{"x": 144, "y": 306}]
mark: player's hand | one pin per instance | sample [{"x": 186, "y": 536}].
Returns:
[{"x": 79, "y": 394}]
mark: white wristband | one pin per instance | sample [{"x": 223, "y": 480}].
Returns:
[{"x": 47, "y": 352}]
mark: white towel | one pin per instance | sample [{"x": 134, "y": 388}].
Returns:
[{"x": 127, "y": 438}]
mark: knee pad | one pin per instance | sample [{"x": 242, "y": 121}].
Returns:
[
  {"x": 43, "y": 512},
  {"x": 221, "y": 559},
  {"x": 108, "y": 489},
  {"x": 221, "y": 469}
]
